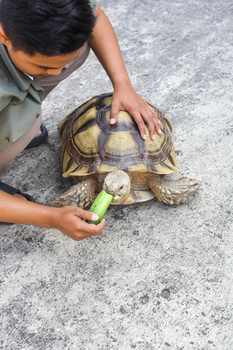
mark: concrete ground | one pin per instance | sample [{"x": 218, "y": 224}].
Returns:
[{"x": 159, "y": 277}]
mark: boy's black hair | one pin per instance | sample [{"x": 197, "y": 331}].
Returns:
[{"x": 50, "y": 27}]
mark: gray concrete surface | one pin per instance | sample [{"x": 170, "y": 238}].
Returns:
[{"x": 159, "y": 277}]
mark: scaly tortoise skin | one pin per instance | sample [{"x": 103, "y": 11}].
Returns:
[{"x": 93, "y": 149}]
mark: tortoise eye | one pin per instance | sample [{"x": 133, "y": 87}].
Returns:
[{"x": 121, "y": 187}]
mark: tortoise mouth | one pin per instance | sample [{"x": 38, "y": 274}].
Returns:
[
  {"x": 117, "y": 183},
  {"x": 115, "y": 198}
]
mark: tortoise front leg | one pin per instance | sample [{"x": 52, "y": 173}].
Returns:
[
  {"x": 173, "y": 191},
  {"x": 80, "y": 195}
]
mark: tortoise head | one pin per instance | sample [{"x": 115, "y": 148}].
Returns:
[{"x": 117, "y": 183}]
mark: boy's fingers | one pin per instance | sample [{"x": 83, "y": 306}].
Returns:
[
  {"x": 85, "y": 214},
  {"x": 113, "y": 120},
  {"x": 158, "y": 130},
  {"x": 93, "y": 229},
  {"x": 88, "y": 215},
  {"x": 114, "y": 113},
  {"x": 101, "y": 225},
  {"x": 148, "y": 116},
  {"x": 153, "y": 123},
  {"x": 157, "y": 123},
  {"x": 141, "y": 125},
  {"x": 151, "y": 128},
  {"x": 86, "y": 230}
]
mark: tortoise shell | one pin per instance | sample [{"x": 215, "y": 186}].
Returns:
[{"x": 90, "y": 145}]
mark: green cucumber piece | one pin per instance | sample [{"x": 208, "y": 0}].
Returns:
[{"x": 100, "y": 206}]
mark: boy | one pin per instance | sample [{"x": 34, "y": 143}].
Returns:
[{"x": 41, "y": 43}]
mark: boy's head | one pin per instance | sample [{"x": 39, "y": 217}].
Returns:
[{"x": 47, "y": 27}]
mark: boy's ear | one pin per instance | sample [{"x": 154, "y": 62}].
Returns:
[{"x": 3, "y": 37}]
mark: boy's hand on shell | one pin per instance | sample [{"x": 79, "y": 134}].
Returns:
[{"x": 139, "y": 109}]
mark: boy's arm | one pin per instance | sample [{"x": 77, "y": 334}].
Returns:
[
  {"x": 105, "y": 46},
  {"x": 67, "y": 219}
]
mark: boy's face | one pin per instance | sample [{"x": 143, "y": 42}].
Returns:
[{"x": 39, "y": 66}]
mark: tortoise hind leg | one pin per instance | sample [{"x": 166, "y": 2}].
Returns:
[
  {"x": 173, "y": 191},
  {"x": 80, "y": 195}
]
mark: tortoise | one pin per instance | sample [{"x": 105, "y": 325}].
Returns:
[{"x": 115, "y": 158}]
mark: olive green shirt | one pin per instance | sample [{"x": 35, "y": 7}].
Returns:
[{"x": 20, "y": 99}]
